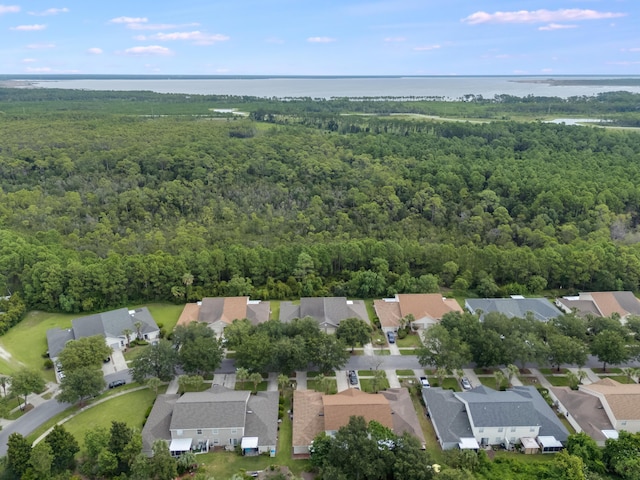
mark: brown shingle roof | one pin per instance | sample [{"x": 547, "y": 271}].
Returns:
[
  {"x": 431, "y": 305},
  {"x": 223, "y": 309},
  {"x": 586, "y": 410},
  {"x": 189, "y": 314},
  {"x": 307, "y": 416},
  {"x": 340, "y": 407},
  {"x": 404, "y": 414},
  {"x": 388, "y": 313},
  {"x": 623, "y": 399}
]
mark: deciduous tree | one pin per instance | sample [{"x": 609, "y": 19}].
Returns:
[{"x": 353, "y": 331}]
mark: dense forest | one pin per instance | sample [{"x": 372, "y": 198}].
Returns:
[{"x": 108, "y": 198}]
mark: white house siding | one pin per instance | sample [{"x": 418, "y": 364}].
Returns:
[
  {"x": 631, "y": 426},
  {"x": 224, "y": 437},
  {"x": 496, "y": 436}
]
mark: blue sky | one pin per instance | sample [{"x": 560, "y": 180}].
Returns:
[{"x": 321, "y": 37}]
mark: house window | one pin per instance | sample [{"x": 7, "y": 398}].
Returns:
[
  {"x": 498, "y": 439},
  {"x": 216, "y": 441},
  {"x": 234, "y": 431},
  {"x": 199, "y": 431},
  {"x": 180, "y": 432},
  {"x": 481, "y": 429},
  {"x": 623, "y": 423},
  {"x": 532, "y": 429},
  {"x": 512, "y": 440},
  {"x": 513, "y": 429},
  {"x": 214, "y": 431},
  {"x": 500, "y": 429}
]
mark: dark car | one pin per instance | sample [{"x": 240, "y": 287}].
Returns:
[
  {"x": 353, "y": 377},
  {"x": 117, "y": 383},
  {"x": 391, "y": 337}
]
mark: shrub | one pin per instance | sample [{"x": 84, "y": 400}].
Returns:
[
  {"x": 48, "y": 364},
  {"x": 402, "y": 333}
]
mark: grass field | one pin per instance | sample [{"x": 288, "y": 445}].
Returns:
[
  {"x": 315, "y": 385},
  {"x": 405, "y": 373},
  {"x": 367, "y": 384},
  {"x": 449, "y": 383},
  {"x": 129, "y": 408},
  {"x": 618, "y": 378}
]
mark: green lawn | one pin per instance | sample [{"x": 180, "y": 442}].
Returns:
[
  {"x": 407, "y": 352},
  {"x": 166, "y": 314},
  {"x": 557, "y": 381},
  {"x": 133, "y": 352},
  {"x": 609, "y": 370},
  {"x": 433, "y": 447},
  {"x": 411, "y": 340},
  {"x": 553, "y": 371},
  {"x": 405, "y": 373},
  {"x": 129, "y": 408},
  {"x": 449, "y": 383},
  {"x": 491, "y": 382},
  {"x": 367, "y": 384},
  {"x": 262, "y": 386},
  {"x": 315, "y": 385}
]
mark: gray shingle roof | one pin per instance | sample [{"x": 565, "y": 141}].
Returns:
[
  {"x": 157, "y": 425},
  {"x": 215, "y": 408},
  {"x": 541, "y": 308},
  {"x": 262, "y": 422},
  {"x": 325, "y": 310},
  {"x": 448, "y": 413},
  {"x": 113, "y": 323},
  {"x": 57, "y": 339},
  {"x": 520, "y": 406},
  {"x": 491, "y": 408}
]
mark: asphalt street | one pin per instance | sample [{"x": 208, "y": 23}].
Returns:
[{"x": 30, "y": 421}]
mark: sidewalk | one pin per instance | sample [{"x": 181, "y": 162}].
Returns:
[{"x": 301, "y": 380}]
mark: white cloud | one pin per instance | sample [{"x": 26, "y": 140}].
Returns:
[
  {"x": 426, "y": 48},
  {"x": 41, "y": 46},
  {"x": 50, "y": 11},
  {"x": 9, "y": 9},
  {"x": 556, "y": 26},
  {"x": 320, "y": 39},
  {"x": 395, "y": 39},
  {"x": 29, "y": 28},
  {"x": 29, "y": 60},
  {"x": 624, "y": 63},
  {"x": 199, "y": 38},
  {"x": 38, "y": 69},
  {"x": 634, "y": 49},
  {"x": 148, "y": 50},
  {"x": 127, "y": 20},
  {"x": 539, "y": 16},
  {"x": 94, "y": 51}
]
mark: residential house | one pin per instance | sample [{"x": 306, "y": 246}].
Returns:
[
  {"x": 327, "y": 311},
  {"x": 517, "y": 306},
  {"x": 427, "y": 309},
  {"x": 314, "y": 412},
  {"x": 218, "y": 417},
  {"x": 222, "y": 311},
  {"x": 111, "y": 325},
  {"x": 586, "y": 413},
  {"x": 601, "y": 304},
  {"x": 621, "y": 402},
  {"x": 483, "y": 416}
]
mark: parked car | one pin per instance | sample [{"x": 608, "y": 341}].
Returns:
[
  {"x": 353, "y": 377},
  {"x": 117, "y": 383},
  {"x": 466, "y": 384},
  {"x": 425, "y": 382},
  {"x": 391, "y": 337},
  {"x": 61, "y": 374}
]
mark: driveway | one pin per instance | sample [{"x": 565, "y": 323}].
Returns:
[
  {"x": 301, "y": 380},
  {"x": 341, "y": 380},
  {"x": 392, "y": 377},
  {"x": 116, "y": 364}
]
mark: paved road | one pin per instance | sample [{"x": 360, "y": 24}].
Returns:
[{"x": 30, "y": 421}]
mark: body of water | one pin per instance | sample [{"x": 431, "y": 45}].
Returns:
[{"x": 328, "y": 87}]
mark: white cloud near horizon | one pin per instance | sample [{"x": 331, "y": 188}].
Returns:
[
  {"x": 50, "y": 11},
  {"x": 395, "y": 39},
  {"x": 94, "y": 51},
  {"x": 197, "y": 37},
  {"x": 556, "y": 26},
  {"x": 426, "y": 48},
  {"x": 539, "y": 16},
  {"x": 320, "y": 40},
  {"x": 29, "y": 60},
  {"x": 38, "y": 69},
  {"x": 148, "y": 50},
  {"x": 29, "y": 28},
  {"x": 9, "y": 9}
]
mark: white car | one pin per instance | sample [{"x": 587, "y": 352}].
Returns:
[
  {"x": 425, "y": 382},
  {"x": 466, "y": 384}
]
